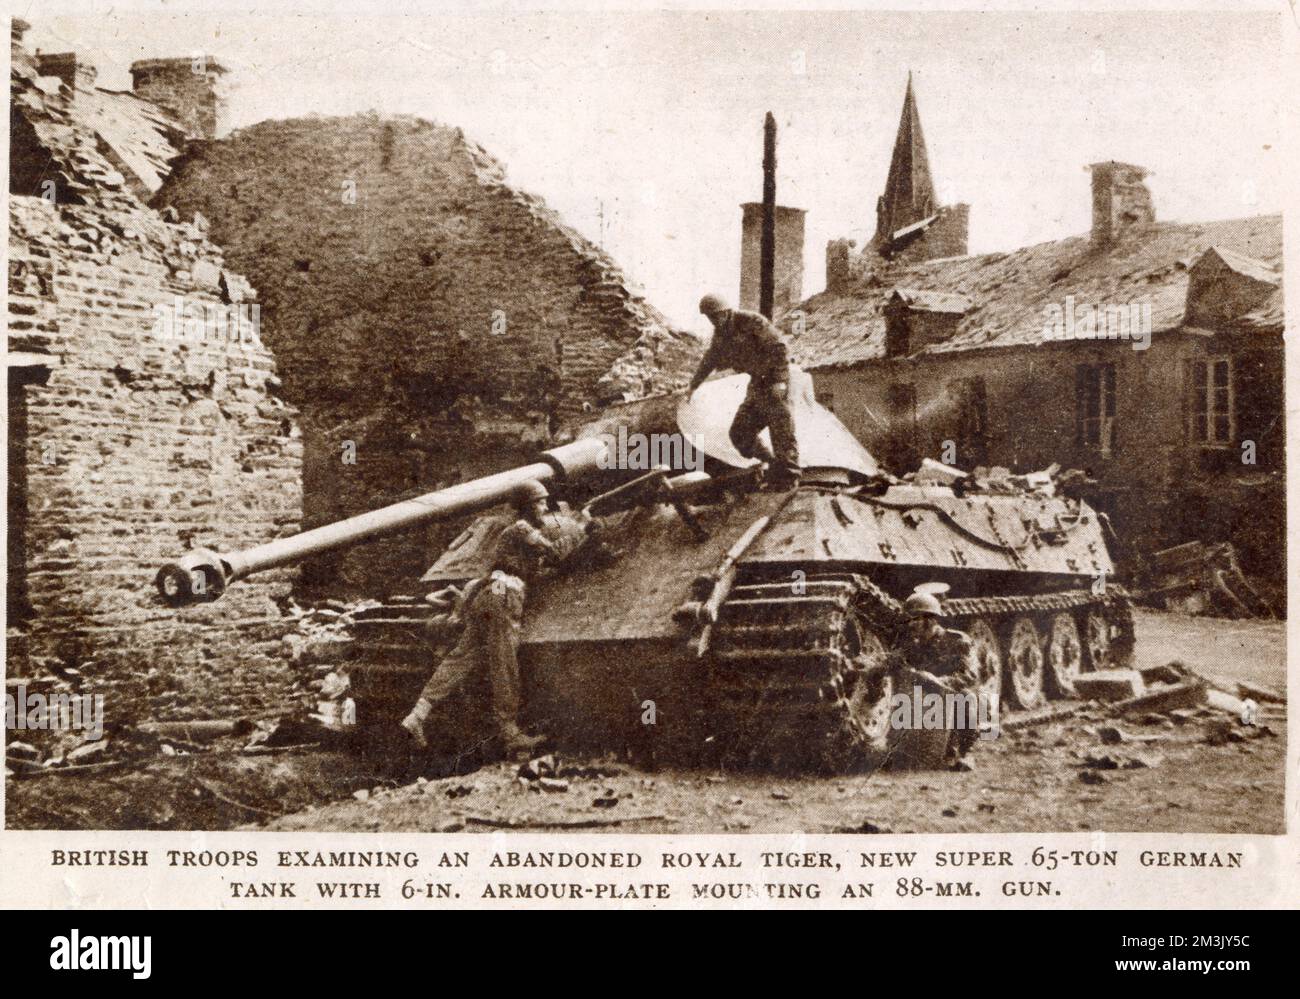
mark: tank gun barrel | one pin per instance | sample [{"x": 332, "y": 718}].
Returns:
[{"x": 202, "y": 575}]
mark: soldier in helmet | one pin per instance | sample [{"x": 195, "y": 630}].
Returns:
[
  {"x": 491, "y": 610},
  {"x": 747, "y": 342},
  {"x": 948, "y": 655}
]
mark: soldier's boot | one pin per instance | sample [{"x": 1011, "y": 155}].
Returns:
[
  {"x": 413, "y": 723},
  {"x": 516, "y": 740}
]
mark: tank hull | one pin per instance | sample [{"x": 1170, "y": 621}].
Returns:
[{"x": 621, "y": 656}]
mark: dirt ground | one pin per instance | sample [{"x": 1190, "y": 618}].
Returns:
[{"x": 1165, "y": 776}]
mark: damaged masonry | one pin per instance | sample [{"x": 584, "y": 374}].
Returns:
[{"x": 450, "y": 528}]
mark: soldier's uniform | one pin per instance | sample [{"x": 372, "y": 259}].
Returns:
[
  {"x": 950, "y": 655},
  {"x": 747, "y": 342},
  {"x": 492, "y": 612}
]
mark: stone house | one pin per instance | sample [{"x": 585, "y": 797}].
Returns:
[{"x": 1148, "y": 353}]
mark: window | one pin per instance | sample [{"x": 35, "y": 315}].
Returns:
[
  {"x": 1094, "y": 407},
  {"x": 1209, "y": 402}
]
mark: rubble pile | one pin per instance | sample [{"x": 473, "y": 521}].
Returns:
[
  {"x": 318, "y": 648},
  {"x": 1123, "y": 706}
]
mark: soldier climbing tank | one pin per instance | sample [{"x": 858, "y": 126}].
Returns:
[{"x": 715, "y": 621}]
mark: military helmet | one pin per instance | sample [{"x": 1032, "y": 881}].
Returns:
[
  {"x": 923, "y": 604},
  {"x": 711, "y": 304}
]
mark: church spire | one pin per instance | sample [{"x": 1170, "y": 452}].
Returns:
[{"x": 909, "y": 191}]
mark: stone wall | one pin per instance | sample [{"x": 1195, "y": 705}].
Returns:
[
  {"x": 431, "y": 322},
  {"x": 139, "y": 444},
  {"x": 946, "y": 236}
]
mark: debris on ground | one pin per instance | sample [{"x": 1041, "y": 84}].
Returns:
[
  {"x": 1109, "y": 685},
  {"x": 1042, "y": 716},
  {"x": 21, "y": 751},
  {"x": 538, "y": 767},
  {"x": 1202, "y": 578},
  {"x": 1164, "y": 697},
  {"x": 1256, "y": 692},
  {"x": 1165, "y": 673},
  {"x": 198, "y": 731}
]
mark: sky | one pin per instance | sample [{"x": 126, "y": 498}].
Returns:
[{"x": 644, "y": 130}]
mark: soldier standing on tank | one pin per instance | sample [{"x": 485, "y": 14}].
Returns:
[
  {"x": 491, "y": 609},
  {"x": 949, "y": 656},
  {"x": 746, "y": 342}
]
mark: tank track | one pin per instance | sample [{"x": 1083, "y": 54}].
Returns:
[
  {"x": 793, "y": 675},
  {"x": 793, "y": 682},
  {"x": 391, "y": 657}
]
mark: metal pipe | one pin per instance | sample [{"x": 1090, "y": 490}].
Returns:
[
  {"x": 462, "y": 498},
  {"x": 203, "y": 575},
  {"x": 767, "y": 236}
]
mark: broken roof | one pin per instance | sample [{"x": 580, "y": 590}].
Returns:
[
  {"x": 1010, "y": 292},
  {"x": 107, "y": 147},
  {"x": 1246, "y": 266}
]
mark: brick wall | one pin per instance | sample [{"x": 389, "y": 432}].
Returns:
[
  {"x": 430, "y": 321},
  {"x": 946, "y": 236},
  {"x": 135, "y": 447}
]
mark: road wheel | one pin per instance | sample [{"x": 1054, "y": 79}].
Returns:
[
  {"x": 1064, "y": 655},
  {"x": 1096, "y": 639},
  {"x": 989, "y": 655},
  {"x": 1024, "y": 664}
]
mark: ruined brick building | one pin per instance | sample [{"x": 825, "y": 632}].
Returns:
[
  {"x": 1148, "y": 353},
  {"x": 430, "y": 321},
  {"x": 131, "y": 438},
  {"x": 214, "y": 342}
]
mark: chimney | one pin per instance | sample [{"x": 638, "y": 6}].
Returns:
[
  {"x": 787, "y": 288},
  {"x": 76, "y": 75},
  {"x": 1120, "y": 200},
  {"x": 915, "y": 319},
  {"x": 187, "y": 87}
]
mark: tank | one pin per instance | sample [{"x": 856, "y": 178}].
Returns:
[{"x": 723, "y": 622}]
